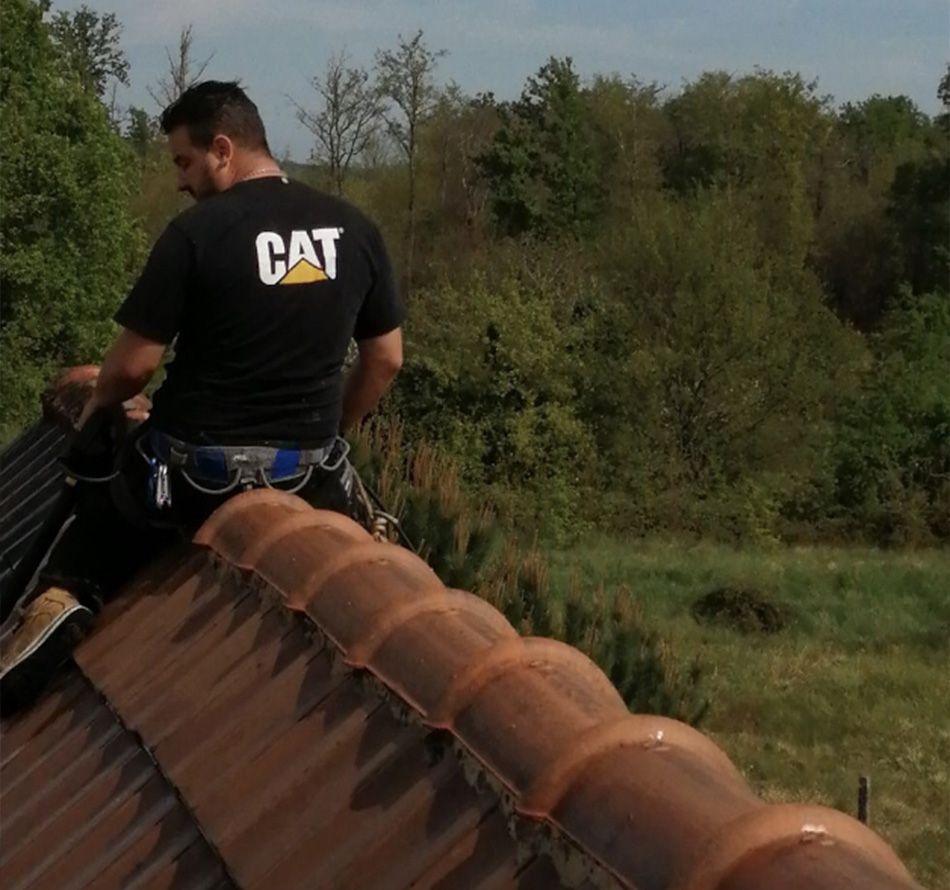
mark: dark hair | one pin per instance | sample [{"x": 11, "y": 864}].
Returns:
[{"x": 214, "y": 107}]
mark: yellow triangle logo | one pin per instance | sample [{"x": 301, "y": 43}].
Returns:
[{"x": 303, "y": 272}]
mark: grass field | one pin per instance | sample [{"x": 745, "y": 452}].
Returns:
[{"x": 857, "y": 682}]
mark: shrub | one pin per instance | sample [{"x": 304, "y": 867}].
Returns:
[
  {"x": 420, "y": 484},
  {"x": 741, "y": 609},
  {"x": 69, "y": 243}
]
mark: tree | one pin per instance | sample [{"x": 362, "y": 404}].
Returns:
[
  {"x": 491, "y": 381},
  {"x": 141, "y": 130},
  {"x": 717, "y": 370},
  {"x": 454, "y": 196},
  {"x": 89, "y": 42},
  {"x": 892, "y": 445},
  {"x": 632, "y": 131},
  {"x": 70, "y": 246},
  {"x": 405, "y": 78},
  {"x": 881, "y": 206},
  {"x": 883, "y": 132},
  {"x": 543, "y": 166},
  {"x": 761, "y": 136},
  {"x": 183, "y": 70},
  {"x": 347, "y": 119},
  {"x": 920, "y": 218}
]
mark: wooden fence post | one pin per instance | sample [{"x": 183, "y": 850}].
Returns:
[{"x": 864, "y": 799}]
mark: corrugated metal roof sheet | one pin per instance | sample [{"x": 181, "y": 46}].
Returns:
[
  {"x": 318, "y": 710},
  {"x": 82, "y": 804},
  {"x": 30, "y": 481},
  {"x": 30, "y": 475},
  {"x": 296, "y": 772}
]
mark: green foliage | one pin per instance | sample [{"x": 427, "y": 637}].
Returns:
[
  {"x": 89, "y": 42},
  {"x": 541, "y": 166},
  {"x": 613, "y": 632},
  {"x": 883, "y": 132},
  {"x": 607, "y": 627},
  {"x": 491, "y": 376},
  {"x": 419, "y": 484},
  {"x": 141, "y": 132},
  {"x": 758, "y": 135},
  {"x": 881, "y": 189},
  {"x": 892, "y": 449},
  {"x": 69, "y": 246},
  {"x": 720, "y": 371},
  {"x": 631, "y": 131},
  {"x": 918, "y": 210}
]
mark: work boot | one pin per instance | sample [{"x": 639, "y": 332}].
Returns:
[{"x": 48, "y": 632}]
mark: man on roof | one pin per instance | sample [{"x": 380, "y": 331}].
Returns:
[{"x": 261, "y": 285}]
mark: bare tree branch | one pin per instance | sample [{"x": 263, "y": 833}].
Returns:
[
  {"x": 183, "y": 71},
  {"x": 404, "y": 76},
  {"x": 347, "y": 117}
]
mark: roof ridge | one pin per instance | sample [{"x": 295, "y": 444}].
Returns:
[{"x": 619, "y": 799}]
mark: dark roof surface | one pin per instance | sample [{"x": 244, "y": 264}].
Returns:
[
  {"x": 288, "y": 703},
  {"x": 84, "y": 805},
  {"x": 29, "y": 483},
  {"x": 30, "y": 475},
  {"x": 297, "y": 773}
]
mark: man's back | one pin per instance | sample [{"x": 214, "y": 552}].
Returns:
[{"x": 264, "y": 285}]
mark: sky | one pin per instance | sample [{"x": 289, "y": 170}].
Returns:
[{"x": 854, "y": 48}]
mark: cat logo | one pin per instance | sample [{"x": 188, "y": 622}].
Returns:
[{"x": 298, "y": 263}]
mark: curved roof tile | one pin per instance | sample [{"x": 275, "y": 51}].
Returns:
[
  {"x": 786, "y": 846},
  {"x": 646, "y": 800}
]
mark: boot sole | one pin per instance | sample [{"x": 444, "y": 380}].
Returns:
[{"x": 22, "y": 682}]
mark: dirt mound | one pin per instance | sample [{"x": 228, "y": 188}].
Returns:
[{"x": 742, "y": 609}]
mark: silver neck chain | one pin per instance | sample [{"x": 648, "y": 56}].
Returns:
[{"x": 273, "y": 171}]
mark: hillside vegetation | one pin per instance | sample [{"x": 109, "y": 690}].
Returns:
[{"x": 717, "y": 311}]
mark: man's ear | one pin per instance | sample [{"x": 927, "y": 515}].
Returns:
[{"x": 223, "y": 149}]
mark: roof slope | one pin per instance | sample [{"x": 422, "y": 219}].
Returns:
[
  {"x": 30, "y": 475},
  {"x": 318, "y": 710},
  {"x": 84, "y": 805},
  {"x": 295, "y": 772}
]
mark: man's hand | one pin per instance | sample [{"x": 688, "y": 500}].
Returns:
[
  {"x": 126, "y": 369},
  {"x": 380, "y": 359}
]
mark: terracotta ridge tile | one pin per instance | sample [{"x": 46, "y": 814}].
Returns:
[{"x": 531, "y": 717}]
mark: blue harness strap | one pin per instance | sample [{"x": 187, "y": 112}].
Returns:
[
  {"x": 285, "y": 463},
  {"x": 211, "y": 465},
  {"x": 220, "y": 463}
]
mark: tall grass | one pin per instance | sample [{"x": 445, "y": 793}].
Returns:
[
  {"x": 854, "y": 680},
  {"x": 470, "y": 547},
  {"x": 856, "y": 683}
]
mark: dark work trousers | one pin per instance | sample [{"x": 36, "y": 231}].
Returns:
[{"x": 115, "y": 530}]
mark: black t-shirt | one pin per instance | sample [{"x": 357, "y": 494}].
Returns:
[{"x": 264, "y": 285}]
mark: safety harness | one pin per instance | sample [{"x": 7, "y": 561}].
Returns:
[{"x": 219, "y": 469}]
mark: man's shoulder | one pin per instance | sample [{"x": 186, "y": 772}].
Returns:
[{"x": 204, "y": 215}]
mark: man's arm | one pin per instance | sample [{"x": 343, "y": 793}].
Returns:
[
  {"x": 126, "y": 369},
  {"x": 379, "y": 360}
]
